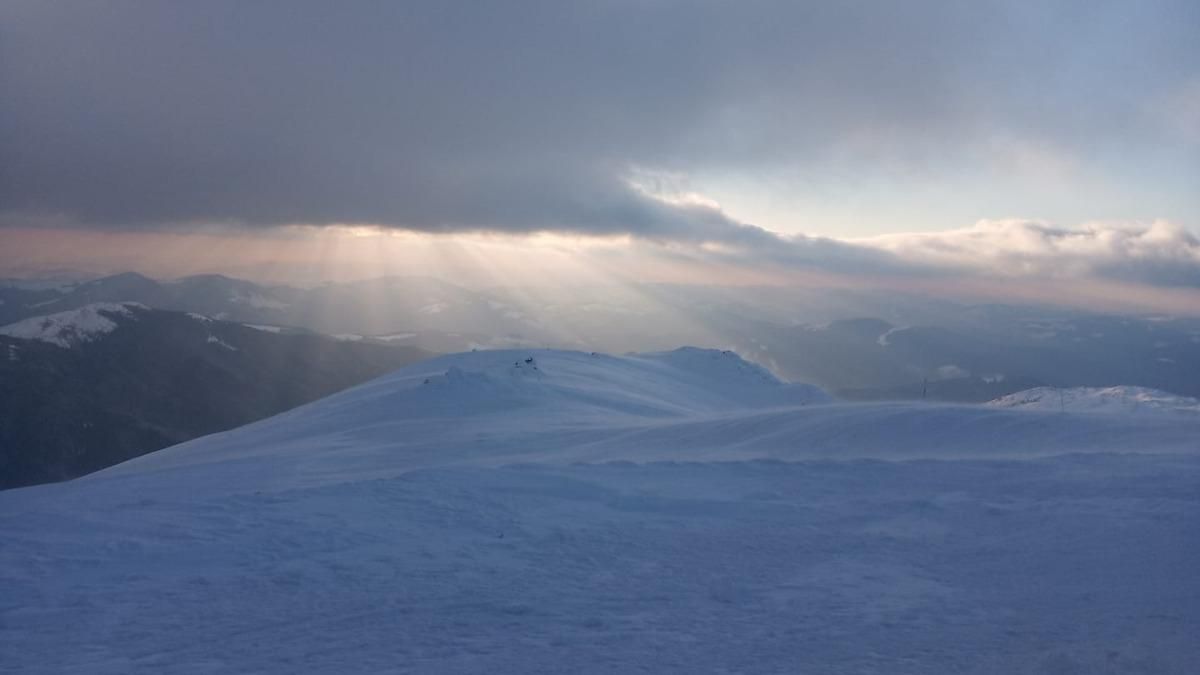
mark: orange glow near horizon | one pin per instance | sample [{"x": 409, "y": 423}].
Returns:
[
  {"x": 312, "y": 255},
  {"x": 540, "y": 263}
]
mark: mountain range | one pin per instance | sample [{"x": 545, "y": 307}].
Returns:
[
  {"x": 858, "y": 345},
  {"x": 206, "y": 353},
  {"x": 89, "y": 387}
]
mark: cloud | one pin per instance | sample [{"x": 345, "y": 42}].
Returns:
[
  {"x": 531, "y": 116},
  {"x": 587, "y": 118},
  {"x": 1159, "y": 253}
]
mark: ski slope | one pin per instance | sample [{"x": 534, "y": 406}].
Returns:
[{"x": 542, "y": 511}]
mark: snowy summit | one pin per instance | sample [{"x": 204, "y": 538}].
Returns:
[
  {"x": 683, "y": 511},
  {"x": 73, "y": 327}
]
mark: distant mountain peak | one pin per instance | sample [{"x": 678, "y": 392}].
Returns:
[
  {"x": 73, "y": 327},
  {"x": 123, "y": 278},
  {"x": 1118, "y": 399}
]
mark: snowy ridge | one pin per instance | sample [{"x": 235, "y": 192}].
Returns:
[
  {"x": 395, "y": 336},
  {"x": 508, "y": 397},
  {"x": 73, "y": 327},
  {"x": 577, "y": 387},
  {"x": 265, "y": 328},
  {"x": 885, "y": 339},
  {"x": 493, "y": 407},
  {"x": 679, "y": 512},
  {"x": 1108, "y": 400}
]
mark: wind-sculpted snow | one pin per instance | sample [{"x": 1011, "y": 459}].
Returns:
[
  {"x": 490, "y": 406},
  {"x": 1108, "y": 400},
  {"x": 493, "y": 407},
  {"x": 686, "y": 512}
]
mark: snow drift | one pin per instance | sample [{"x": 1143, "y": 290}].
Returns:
[
  {"x": 1107, "y": 400},
  {"x": 497, "y": 407}
]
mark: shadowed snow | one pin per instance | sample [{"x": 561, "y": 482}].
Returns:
[
  {"x": 1123, "y": 399},
  {"x": 527, "y": 511}
]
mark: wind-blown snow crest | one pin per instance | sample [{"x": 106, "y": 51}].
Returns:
[
  {"x": 73, "y": 327},
  {"x": 1108, "y": 400},
  {"x": 495, "y": 407},
  {"x": 578, "y": 388}
]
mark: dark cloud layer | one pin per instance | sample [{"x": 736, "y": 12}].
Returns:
[{"x": 525, "y": 116}]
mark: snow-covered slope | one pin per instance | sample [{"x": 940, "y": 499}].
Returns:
[
  {"x": 674, "y": 512},
  {"x": 493, "y": 407},
  {"x": 72, "y": 327},
  {"x": 1108, "y": 400}
]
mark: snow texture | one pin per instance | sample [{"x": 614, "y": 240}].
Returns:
[
  {"x": 1123, "y": 399},
  {"x": 73, "y": 327},
  {"x": 542, "y": 511},
  {"x": 264, "y": 327}
]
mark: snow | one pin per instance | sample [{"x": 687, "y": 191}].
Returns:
[
  {"x": 533, "y": 511},
  {"x": 434, "y": 308},
  {"x": 213, "y": 339},
  {"x": 44, "y": 303},
  {"x": 1107, "y": 400},
  {"x": 264, "y": 327},
  {"x": 886, "y": 338},
  {"x": 395, "y": 337},
  {"x": 73, "y": 327}
]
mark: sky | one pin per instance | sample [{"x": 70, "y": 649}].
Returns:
[{"x": 1000, "y": 142}]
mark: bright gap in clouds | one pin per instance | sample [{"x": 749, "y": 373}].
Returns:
[
  {"x": 1151, "y": 267},
  {"x": 306, "y": 256}
]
